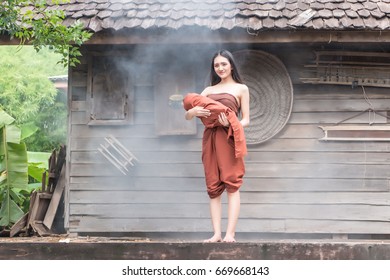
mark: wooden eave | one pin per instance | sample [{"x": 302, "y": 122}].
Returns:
[{"x": 197, "y": 35}]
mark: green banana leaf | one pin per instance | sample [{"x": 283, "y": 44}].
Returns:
[
  {"x": 10, "y": 212},
  {"x": 13, "y": 170},
  {"x": 38, "y": 163}
]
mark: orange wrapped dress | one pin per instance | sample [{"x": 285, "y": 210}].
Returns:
[{"x": 223, "y": 148}]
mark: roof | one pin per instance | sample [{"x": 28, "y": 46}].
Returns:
[{"x": 100, "y": 15}]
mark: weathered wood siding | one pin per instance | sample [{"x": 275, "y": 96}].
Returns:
[{"x": 294, "y": 183}]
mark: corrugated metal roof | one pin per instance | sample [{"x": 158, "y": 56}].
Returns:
[{"x": 98, "y": 15}]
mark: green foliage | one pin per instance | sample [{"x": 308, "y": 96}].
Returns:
[
  {"x": 15, "y": 171},
  {"x": 40, "y": 23},
  {"x": 30, "y": 97}
]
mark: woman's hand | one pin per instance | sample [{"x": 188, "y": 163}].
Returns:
[
  {"x": 223, "y": 119},
  {"x": 197, "y": 111}
]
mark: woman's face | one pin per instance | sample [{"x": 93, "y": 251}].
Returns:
[{"x": 222, "y": 67}]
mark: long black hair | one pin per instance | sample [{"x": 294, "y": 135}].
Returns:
[{"x": 214, "y": 78}]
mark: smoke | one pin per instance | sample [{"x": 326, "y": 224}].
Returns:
[{"x": 165, "y": 189}]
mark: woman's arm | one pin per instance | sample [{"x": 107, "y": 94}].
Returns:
[
  {"x": 245, "y": 106},
  {"x": 198, "y": 111}
]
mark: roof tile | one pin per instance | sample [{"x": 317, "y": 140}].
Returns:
[
  {"x": 351, "y": 14},
  {"x": 385, "y": 8},
  {"x": 364, "y": 13},
  {"x": 325, "y": 13},
  {"x": 291, "y": 14},
  {"x": 275, "y": 14},
  {"x": 344, "y": 6},
  {"x": 95, "y": 24},
  {"x": 358, "y": 22},
  {"x": 377, "y": 13},
  {"x": 370, "y": 22},
  {"x": 384, "y": 23},
  {"x": 331, "y": 23},
  {"x": 268, "y": 23},
  {"x": 116, "y": 7},
  {"x": 281, "y": 23},
  {"x": 104, "y": 14},
  {"x": 318, "y": 23},
  {"x": 228, "y": 14},
  {"x": 338, "y": 13},
  {"x": 357, "y": 6},
  {"x": 256, "y": 23}
]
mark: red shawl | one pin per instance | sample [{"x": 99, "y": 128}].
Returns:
[{"x": 235, "y": 129}]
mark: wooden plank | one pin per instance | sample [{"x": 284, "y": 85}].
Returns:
[
  {"x": 145, "y": 91},
  {"x": 275, "y": 170},
  {"x": 169, "y": 143},
  {"x": 133, "y": 131},
  {"x": 93, "y": 224},
  {"x": 324, "y": 105},
  {"x": 79, "y": 78},
  {"x": 318, "y": 198},
  {"x": 347, "y": 83},
  {"x": 19, "y": 225},
  {"x": 317, "y": 157},
  {"x": 334, "y": 92},
  {"x": 352, "y": 53},
  {"x": 139, "y": 118},
  {"x": 40, "y": 229},
  {"x": 301, "y": 131},
  {"x": 334, "y": 118},
  {"x": 356, "y": 133},
  {"x": 313, "y": 145},
  {"x": 56, "y": 199},
  {"x": 190, "y": 144},
  {"x": 253, "y": 157},
  {"x": 377, "y": 198},
  {"x": 229, "y": 36},
  {"x": 363, "y": 66},
  {"x": 78, "y": 106},
  {"x": 251, "y": 211},
  {"x": 318, "y": 171},
  {"x": 31, "y": 208},
  {"x": 137, "y": 197},
  {"x": 144, "y": 106},
  {"x": 330, "y": 226},
  {"x": 144, "y": 157},
  {"x": 39, "y": 207},
  {"x": 251, "y": 184}
]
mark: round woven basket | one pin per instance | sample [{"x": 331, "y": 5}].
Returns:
[{"x": 271, "y": 93}]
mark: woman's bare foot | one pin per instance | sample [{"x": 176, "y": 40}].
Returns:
[
  {"x": 214, "y": 238},
  {"x": 229, "y": 239}
]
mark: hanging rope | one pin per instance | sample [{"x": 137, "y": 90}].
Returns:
[{"x": 371, "y": 111}]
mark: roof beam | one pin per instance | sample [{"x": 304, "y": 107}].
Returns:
[{"x": 196, "y": 35}]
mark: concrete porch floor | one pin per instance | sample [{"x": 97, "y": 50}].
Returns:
[{"x": 130, "y": 248}]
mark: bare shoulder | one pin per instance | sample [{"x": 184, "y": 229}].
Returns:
[
  {"x": 207, "y": 91},
  {"x": 244, "y": 87},
  {"x": 243, "y": 90}
]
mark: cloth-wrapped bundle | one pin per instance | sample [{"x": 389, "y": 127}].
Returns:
[{"x": 235, "y": 129}]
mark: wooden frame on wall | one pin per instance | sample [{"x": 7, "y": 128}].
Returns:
[
  {"x": 110, "y": 89},
  {"x": 170, "y": 87},
  {"x": 356, "y": 133}
]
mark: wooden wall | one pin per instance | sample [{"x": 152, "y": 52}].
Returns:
[{"x": 294, "y": 182}]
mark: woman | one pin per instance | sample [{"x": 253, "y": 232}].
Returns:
[{"x": 223, "y": 170}]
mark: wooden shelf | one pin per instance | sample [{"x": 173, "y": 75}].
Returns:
[{"x": 350, "y": 68}]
